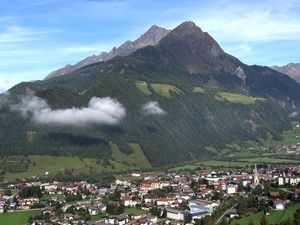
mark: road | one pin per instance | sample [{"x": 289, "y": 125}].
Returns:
[
  {"x": 224, "y": 214},
  {"x": 286, "y": 190}
]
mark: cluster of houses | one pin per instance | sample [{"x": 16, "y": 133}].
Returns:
[
  {"x": 175, "y": 196},
  {"x": 290, "y": 149}
]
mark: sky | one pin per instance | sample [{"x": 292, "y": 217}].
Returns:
[{"x": 39, "y": 36}]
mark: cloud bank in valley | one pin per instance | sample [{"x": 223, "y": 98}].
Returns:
[
  {"x": 152, "y": 108},
  {"x": 294, "y": 114},
  {"x": 100, "y": 111}
]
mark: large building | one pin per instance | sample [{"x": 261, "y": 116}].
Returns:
[
  {"x": 175, "y": 214},
  {"x": 200, "y": 208}
]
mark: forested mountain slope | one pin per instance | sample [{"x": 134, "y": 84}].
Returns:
[{"x": 174, "y": 99}]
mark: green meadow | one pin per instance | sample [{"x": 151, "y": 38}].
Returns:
[
  {"x": 275, "y": 217},
  {"x": 236, "y": 98},
  {"x": 16, "y": 218}
]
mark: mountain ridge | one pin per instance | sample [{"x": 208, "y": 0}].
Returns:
[
  {"x": 291, "y": 69},
  {"x": 150, "y": 37}
]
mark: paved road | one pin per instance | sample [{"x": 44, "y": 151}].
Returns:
[
  {"x": 286, "y": 190},
  {"x": 224, "y": 214}
]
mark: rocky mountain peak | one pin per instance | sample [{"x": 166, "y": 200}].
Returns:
[
  {"x": 197, "y": 49},
  {"x": 291, "y": 69},
  {"x": 150, "y": 37},
  {"x": 191, "y": 36}
]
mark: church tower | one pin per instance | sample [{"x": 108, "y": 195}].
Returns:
[{"x": 255, "y": 179}]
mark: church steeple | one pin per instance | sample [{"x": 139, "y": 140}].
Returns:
[{"x": 255, "y": 179}]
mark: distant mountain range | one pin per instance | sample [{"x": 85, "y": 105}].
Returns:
[
  {"x": 151, "y": 37},
  {"x": 176, "y": 94},
  {"x": 291, "y": 69}
]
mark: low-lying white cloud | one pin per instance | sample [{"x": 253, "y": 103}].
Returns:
[
  {"x": 152, "y": 108},
  {"x": 294, "y": 114},
  {"x": 100, "y": 111},
  {"x": 3, "y": 99},
  {"x": 7, "y": 82}
]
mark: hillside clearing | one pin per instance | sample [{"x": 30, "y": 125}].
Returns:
[
  {"x": 165, "y": 89},
  {"x": 236, "y": 98},
  {"x": 198, "y": 90},
  {"x": 143, "y": 87}
]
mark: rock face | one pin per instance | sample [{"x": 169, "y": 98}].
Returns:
[
  {"x": 197, "y": 50},
  {"x": 151, "y": 37},
  {"x": 291, "y": 69}
]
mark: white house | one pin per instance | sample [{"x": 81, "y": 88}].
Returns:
[
  {"x": 175, "y": 214},
  {"x": 119, "y": 220},
  {"x": 278, "y": 204},
  {"x": 231, "y": 189}
]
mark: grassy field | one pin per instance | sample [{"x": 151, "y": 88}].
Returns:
[
  {"x": 98, "y": 217},
  {"x": 289, "y": 137},
  {"x": 16, "y": 218},
  {"x": 239, "y": 163},
  {"x": 143, "y": 87},
  {"x": 198, "y": 90},
  {"x": 236, "y": 98},
  {"x": 121, "y": 162},
  {"x": 136, "y": 160},
  {"x": 275, "y": 217},
  {"x": 50, "y": 197},
  {"x": 53, "y": 164},
  {"x": 211, "y": 165},
  {"x": 242, "y": 154},
  {"x": 269, "y": 160},
  {"x": 42, "y": 164},
  {"x": 135, "y": 211},
  {"x": 165, "y": 89}
]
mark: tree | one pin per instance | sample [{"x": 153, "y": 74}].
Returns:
[
  {"x": 188, "y": 219},
  {"x": 70, "y": 210},
  {"x": 263, "y": 220},
  {"x": 297, "y": 217},
  {"x": 251, "y": 223},
  {"x": 263, "y": 205},
  {"x": 115, "y": 209},
  {"x": 155, "y": 211},
  {"x": 242, "y": 207},
  {"x": 34, "y": 191},
  {"x": 258, "y": 190},
  {"x": 287, "y": 222},
  {"x": 7, "y": 192}
]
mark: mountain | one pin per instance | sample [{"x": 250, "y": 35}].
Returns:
[
  {"x": 181, "y": 99},
  {"x": 197, "y": 50},
  {"x": 151, "y": 37},
  {"x": 291, "y": 69}
]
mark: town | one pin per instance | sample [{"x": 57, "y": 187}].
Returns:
[{"x": 215, "y": 197}]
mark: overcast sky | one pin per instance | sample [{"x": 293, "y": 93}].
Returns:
[{"x": 39, "y": 36}]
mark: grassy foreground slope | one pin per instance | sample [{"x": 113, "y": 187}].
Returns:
[
  {"x": 16, "y": 218},
  {"x": 275, "y": 217},
  {"x": 120, "y": 162}
]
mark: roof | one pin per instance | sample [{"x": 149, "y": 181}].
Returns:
[
  {"x": 174, "y": 210},
  {"x": 278, "y": 201},
  {"x": 165, "y": 199},
  {"x": 199, "y": 213}
]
